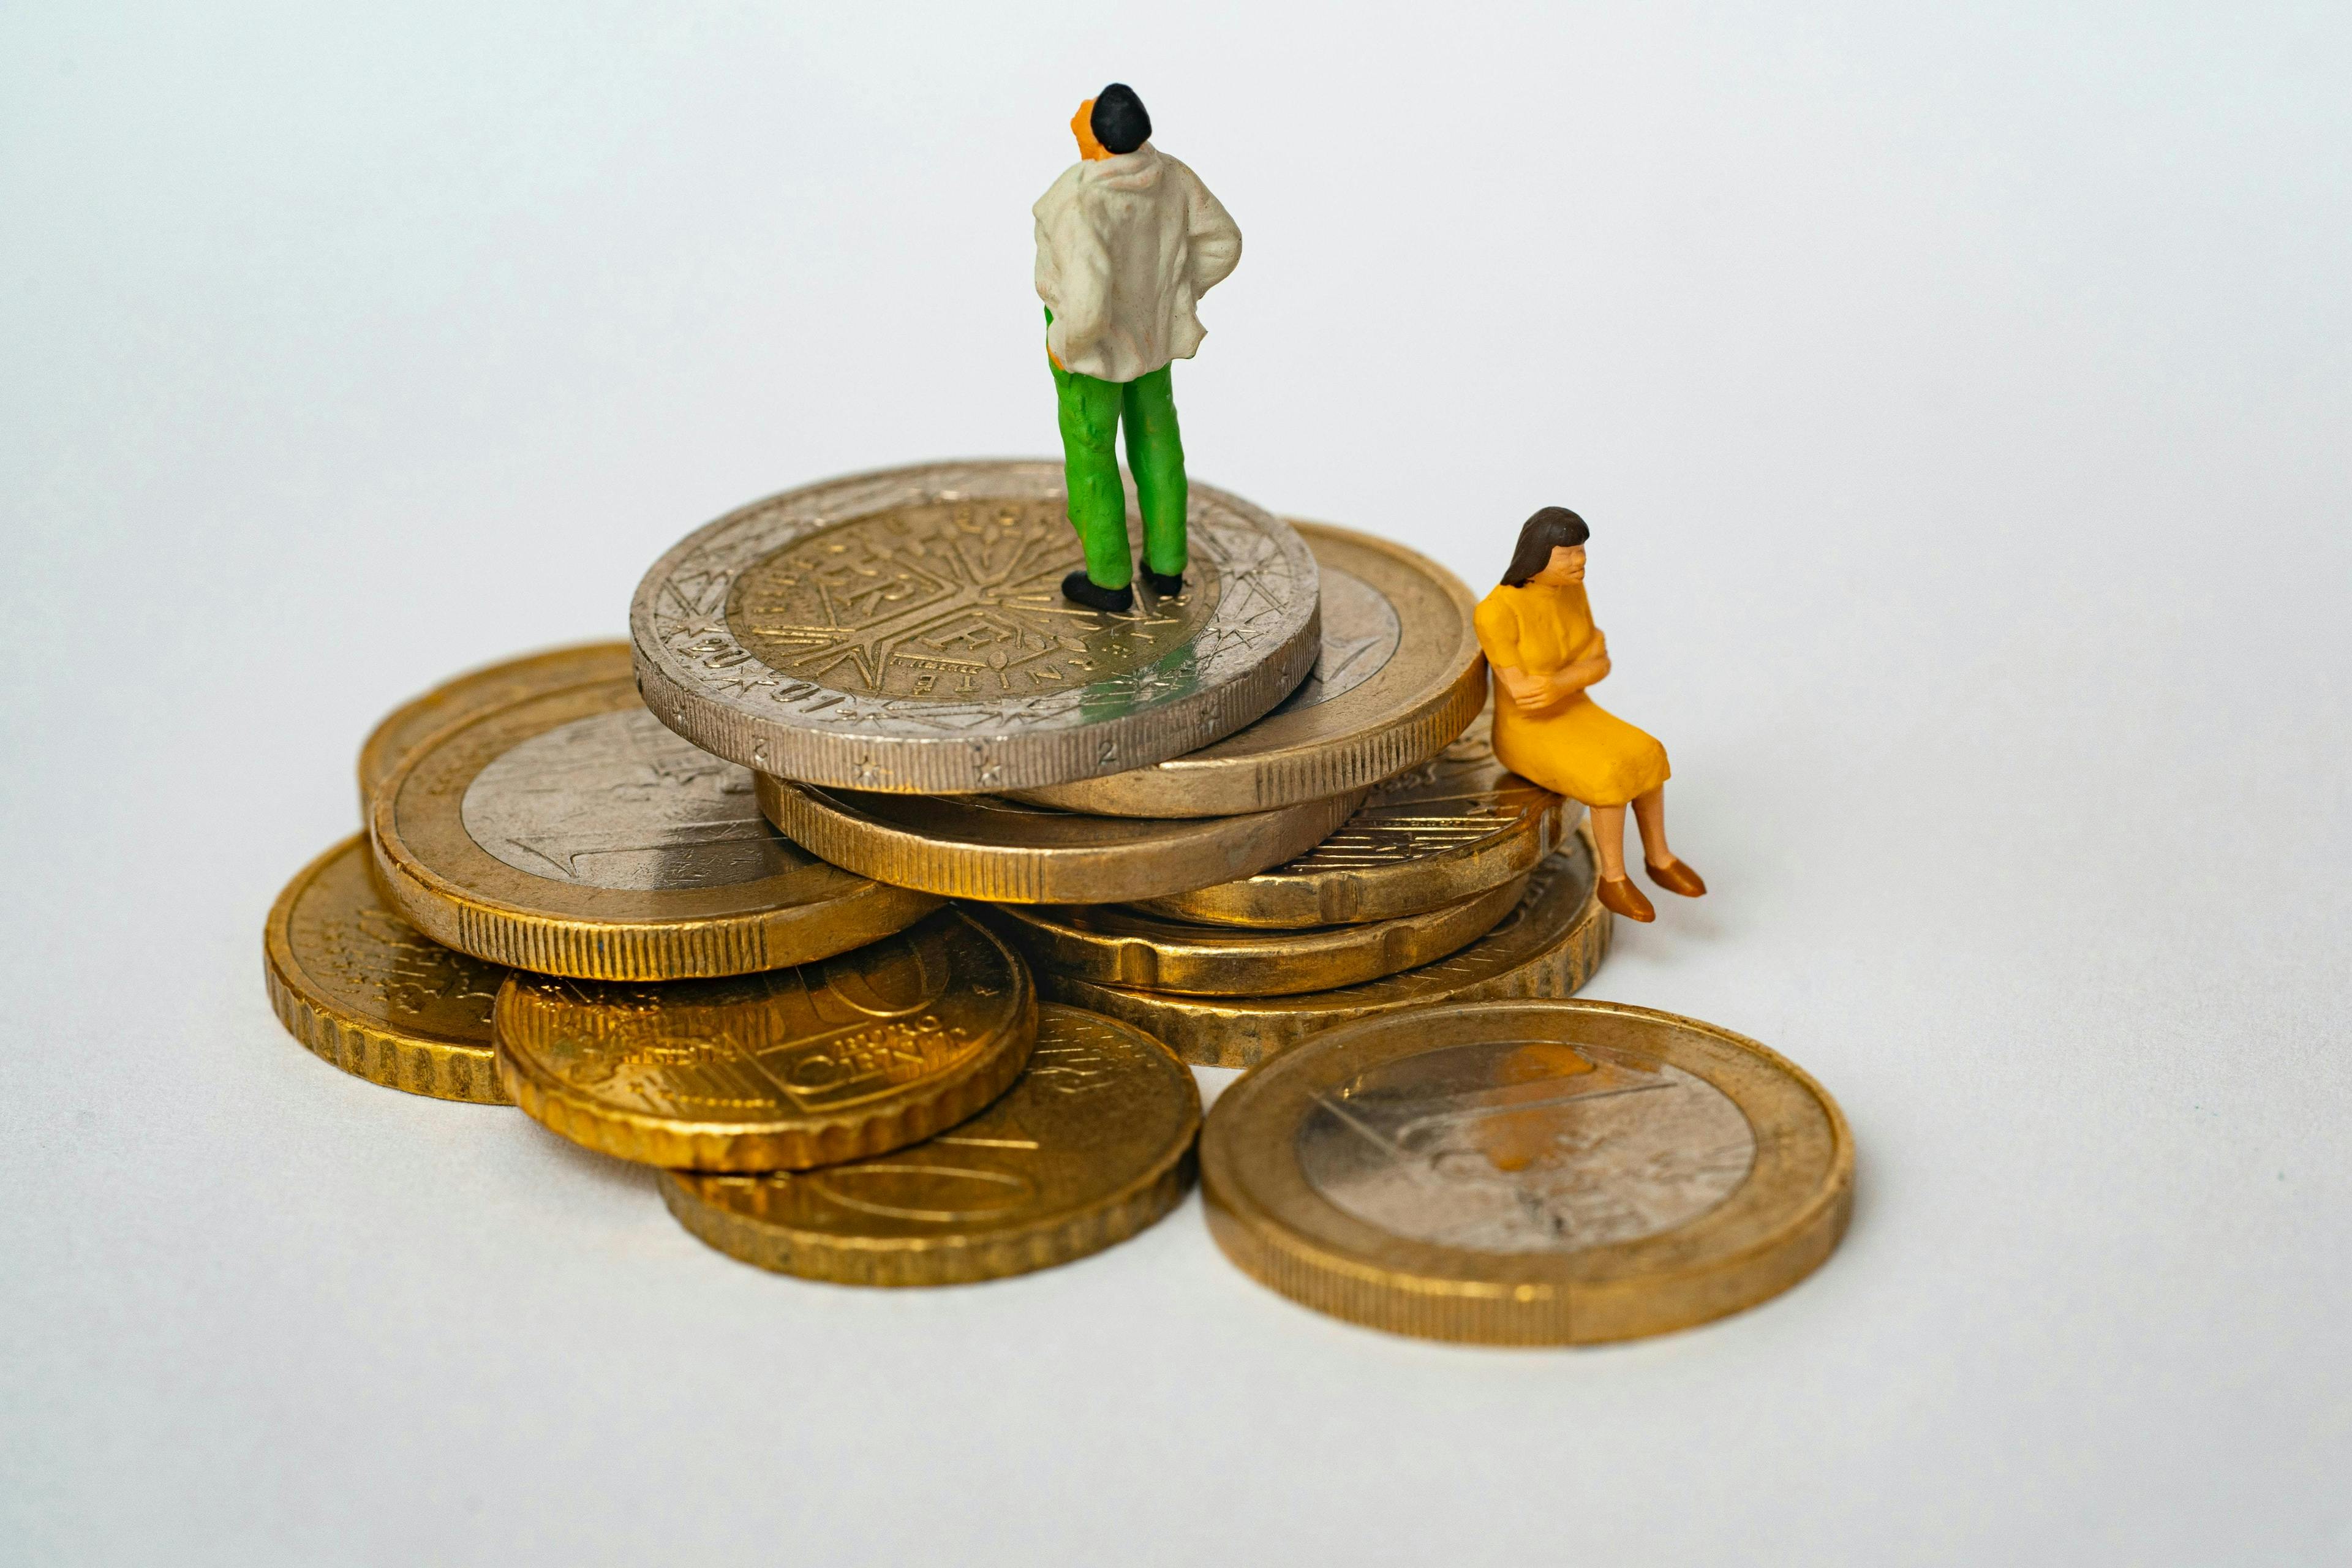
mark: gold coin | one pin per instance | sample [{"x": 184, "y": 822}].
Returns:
[
  {"x": 571, "y": 834},
  {"x": 861, "y": 1054},
  {"x": 1376, "y": 703},
  {"x": 986, "y": 847},
  {"x": 1118, "y": 944},
  {"x": 367, "y": 991},
  {"x": 1091, "y": 1145},
  {"x": 1457, "y": 825},
  {"x": 906, "y": 630},
  {"x": 1528, "y": 1173},
  {"x": 477, "y": 691},
  {"x": 1548, "y": 945}
]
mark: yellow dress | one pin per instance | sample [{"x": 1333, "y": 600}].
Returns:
[{"x": 1578, "y": 748}]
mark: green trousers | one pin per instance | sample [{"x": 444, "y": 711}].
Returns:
[{"x": 1091, "y": 409}]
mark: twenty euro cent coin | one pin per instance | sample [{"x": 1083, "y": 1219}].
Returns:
[
  {"x": 1548, "y": 946},
  {"x": 1118, "y": 944},
  {"x": 906, "y": 631},
  {"x": 861, "y": 1054},
  {"x": 1379, "y": 699},
  {"x": 993, "y": 848},
  {"x": 370, "y": 993},
  {"x": 1527, "y": 1173},
  {"x": 478, "y": 691},
  {"x": 1092, "y": 1143},
  {"x": 571, "y": 834},
  {"x": 1446, "y": 830}
]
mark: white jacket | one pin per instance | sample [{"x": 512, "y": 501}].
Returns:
[{"x": 1125, "y": 246}]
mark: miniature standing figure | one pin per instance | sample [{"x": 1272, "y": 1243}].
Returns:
[
  {"x": 1128, "y": 241},
  {"x": 1545, "y": 651}
]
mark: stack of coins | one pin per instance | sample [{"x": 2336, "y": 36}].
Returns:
[
  {"x": 875, "y": 894},
  {"x": 1257, "y": 808}
]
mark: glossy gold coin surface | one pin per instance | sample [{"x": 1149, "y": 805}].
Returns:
[
  {"x": 987, "y": 847},
  {"x": 1528, "y": 1173},
  {"x": 1451, "y": 828},
  {"x": 370, "y": 993},
  {"x": 477, "y": 691},
  {"x": 859, "y": 1055},
  {"x": 1118, "y": 944},
  {"x": 1548, "y": 945},
  {"x": 906, "y": 631},
  {"x": 1380, "y": 698},
  {"x": 1092, "y": 1143},
  {"x": 570, "y": 833}
]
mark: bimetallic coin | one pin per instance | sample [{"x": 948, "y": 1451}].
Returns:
[
  {"x": 1118, "y": 944},
  {"x": 1457, "y": 825},
  {"x": 1378, "y": 701},
  {"x": 370, "y": 993},
  {"x": 906, "y": 631},
  {"x": 986, "y": 847},
  {"x": 859, "y": 1055},
  {"x": 477, "y": 691},
  {"x": 1090, "y": 1145},
  {"x": 1528, "y": 1173},
  {"x": 1548, "y": 945},
  {"x": 570, "y": 833}
]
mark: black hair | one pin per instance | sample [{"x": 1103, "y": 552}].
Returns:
[
  {"x": 1119, "y": 121},
  {"x": 1551, "y": 528}
]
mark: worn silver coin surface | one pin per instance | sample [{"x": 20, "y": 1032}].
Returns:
[{"x": 905, "y": 631}]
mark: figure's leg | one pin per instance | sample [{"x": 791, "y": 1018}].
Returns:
[
  {"x": 1155, "y": 455},
  {"x": 1616, "y": 892},
  {"x": 1097, "y": 506},
  {"x": 1650, "y": 817}
]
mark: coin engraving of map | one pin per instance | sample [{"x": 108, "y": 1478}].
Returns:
[
  {"x": 819, "y": 1038},
  {"x": 376, "y": 964},
  {"x": 948, "y": 602},
  {"x": 1525, "y": 1146},
  {"x": 1361, "y": 631},
  {"x": 617, "y": 801},
  {"x": 1456, "y": 800}
]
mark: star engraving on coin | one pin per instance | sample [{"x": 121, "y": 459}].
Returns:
[
  {"x": 947, "y": 602},
  {"x": 905, "y": 631}
]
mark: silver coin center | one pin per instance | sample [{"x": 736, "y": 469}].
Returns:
[
  {"x": 617, "y": 801},
  {"x": 1360, "y": 634},
  {"x": 1525, "y": 1146}
]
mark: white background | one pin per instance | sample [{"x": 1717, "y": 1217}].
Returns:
[{"x": 1960, "y": 398}]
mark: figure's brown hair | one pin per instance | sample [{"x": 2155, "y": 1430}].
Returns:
[{"x": 1552, "y": 528}]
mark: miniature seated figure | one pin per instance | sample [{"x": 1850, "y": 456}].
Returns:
[
  {"x": 1128, "y": 241},
  {"x": 1538, "y": 633}
]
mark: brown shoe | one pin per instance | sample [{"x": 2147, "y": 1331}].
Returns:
[
  {"x": 1678, "y": 878},
  {"x": 1619, "y": 894}
]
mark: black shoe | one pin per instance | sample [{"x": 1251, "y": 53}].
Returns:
[
  {"x": 1081, "y": 589},
  {"x": 1162, "y": 587}
]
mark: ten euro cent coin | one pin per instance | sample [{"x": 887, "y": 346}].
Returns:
[
  {"x": 1092, "y": 1143},
  {"x": 1448, "y": 829},
  {"x": 861, "y": 1054},
  {"x": 1548, "y": 946},
  {"x": 370, "y": 993},
  {"x": 988, "y": 846}
]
